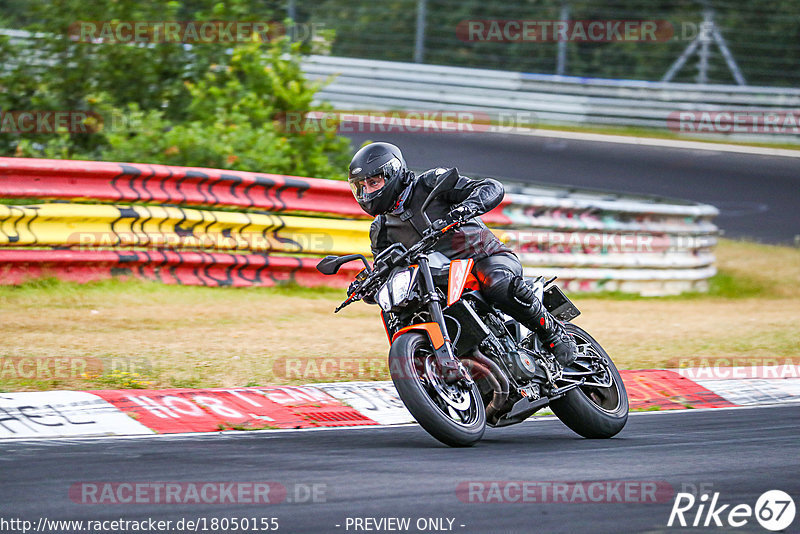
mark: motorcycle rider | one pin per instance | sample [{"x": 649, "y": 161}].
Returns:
[{"x": 385, "y": 188}]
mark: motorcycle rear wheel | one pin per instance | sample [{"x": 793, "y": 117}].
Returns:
[
  {"x": 453, "y": 415},
  {"x": 593, "y": 412}
]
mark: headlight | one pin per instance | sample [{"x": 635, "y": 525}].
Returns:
[
  {"x": 383, "y": 298},
  {"x": 401, "y": 285},
  {"x": 395, "y": 290}
]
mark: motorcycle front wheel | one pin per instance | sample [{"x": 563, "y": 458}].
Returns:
[{"x": 453, "y": 414}]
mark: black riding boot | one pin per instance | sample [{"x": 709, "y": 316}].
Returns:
[
  {"x": 552, "y": 333},
  {"x": 555, "y": 337}
]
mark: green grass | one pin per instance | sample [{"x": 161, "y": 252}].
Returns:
[
  {"x": 20, "y": 201},
  {"x": 731, "y": 285},
  {"x": 662, "y": 134},
  {"x": 657, "y": 133},
  {"x": 723, "y": 285}
]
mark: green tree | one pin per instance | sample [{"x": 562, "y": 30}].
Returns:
[
  {"x": 232, "y": 121},
  {"x": 165, "y": 102}
]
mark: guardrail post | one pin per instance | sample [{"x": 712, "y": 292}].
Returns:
[
  {"x": 291, "y": 13},
  {"x": 419, "y": 45},
  {"x": 705, "y": 40},
  {"x": 561, "y": 59}
]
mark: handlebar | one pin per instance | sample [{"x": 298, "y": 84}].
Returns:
[{"x": 429, "y": 238}]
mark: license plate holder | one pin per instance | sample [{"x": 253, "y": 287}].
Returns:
[{"x": 559, "y": 305}]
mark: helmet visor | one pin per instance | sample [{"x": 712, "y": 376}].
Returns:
[{"x": 366, "y": 187}]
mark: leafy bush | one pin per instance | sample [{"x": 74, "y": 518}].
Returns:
[{"x": 162, "y": 103}]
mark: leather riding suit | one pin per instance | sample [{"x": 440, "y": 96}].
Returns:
[{"x": 497, "y": 268}]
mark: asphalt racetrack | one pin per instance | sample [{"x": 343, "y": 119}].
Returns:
[
  {"x": 758, "y": 196},
  {"x": 402, "y": 472}
]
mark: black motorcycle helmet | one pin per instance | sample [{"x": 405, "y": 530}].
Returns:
[{"x": 378, "y": 159}]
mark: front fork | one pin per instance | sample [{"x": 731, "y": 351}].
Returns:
[{"x": 452, "y": 370}]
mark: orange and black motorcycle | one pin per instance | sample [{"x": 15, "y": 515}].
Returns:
[{"x": 458, "y": 363}]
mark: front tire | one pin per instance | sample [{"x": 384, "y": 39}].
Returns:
[
  {"x": 453, "y": 415},
  {"x": 593, "y": 412}
]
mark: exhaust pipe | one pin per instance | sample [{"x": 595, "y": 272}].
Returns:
[{"x": 497, "y": 380}]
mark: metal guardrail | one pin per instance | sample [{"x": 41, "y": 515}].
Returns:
[
  {"x": 371, "y": 84},
  {"x": 172, "y": 228},
  {"x": 504, "y": 95}
]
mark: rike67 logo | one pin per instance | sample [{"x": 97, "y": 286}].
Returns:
[{"x": 774, "y": 510}]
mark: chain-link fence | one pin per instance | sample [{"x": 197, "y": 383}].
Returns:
[
  {"x": 753, "y": 42},
  {"x": 756, "y": 42}
]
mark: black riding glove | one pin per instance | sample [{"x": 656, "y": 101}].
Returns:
[
  {"x": 369, "y": 299},
  {"x": 460, "y": 213},
  {"x": 352, "y": 287}
]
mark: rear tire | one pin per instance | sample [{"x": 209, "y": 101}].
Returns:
[
  {"x": 410, "y": 366},
  {"x": 589, "y": 411}
]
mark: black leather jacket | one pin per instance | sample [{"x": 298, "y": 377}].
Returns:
[{"x": 471, "y": 240}]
